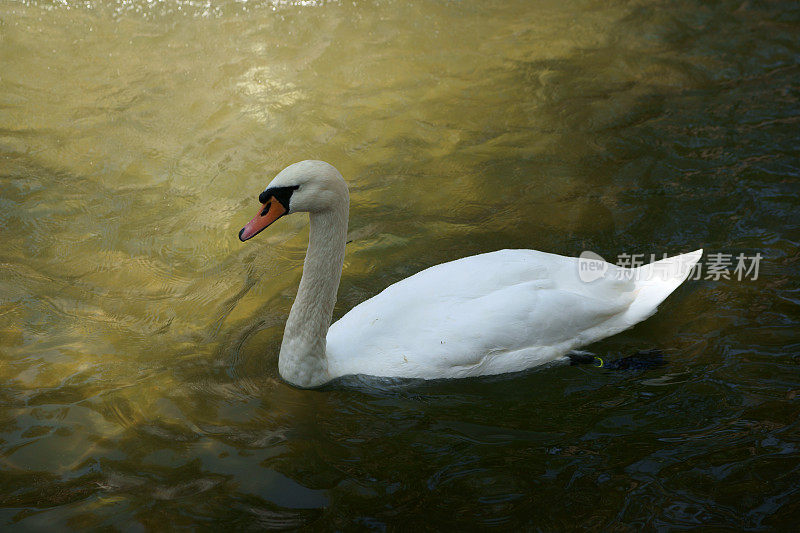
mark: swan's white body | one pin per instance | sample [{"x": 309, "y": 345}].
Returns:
[
  {"x": 487, "y": 314},
  {"x": 492, "y": 313}
]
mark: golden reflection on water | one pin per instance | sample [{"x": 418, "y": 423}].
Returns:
[{"x": 135, "y": 137}]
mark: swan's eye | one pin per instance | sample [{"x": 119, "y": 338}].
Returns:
[{"x": 266, "y": 209}]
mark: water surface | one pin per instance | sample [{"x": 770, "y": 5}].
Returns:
[{"x": 139, "y": 337}]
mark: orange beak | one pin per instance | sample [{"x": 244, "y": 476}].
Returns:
[{"x": 269, "y": 213}]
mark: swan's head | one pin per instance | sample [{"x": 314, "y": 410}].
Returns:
[{"x": 307, "y": 186}]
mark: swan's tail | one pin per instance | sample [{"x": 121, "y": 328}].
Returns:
[{"x": 656, "y": 281}]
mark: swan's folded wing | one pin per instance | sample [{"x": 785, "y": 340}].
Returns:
[{"x": 486, "y": 314}]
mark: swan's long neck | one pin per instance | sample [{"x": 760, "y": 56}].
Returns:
[{"x": 302, "y": 360}]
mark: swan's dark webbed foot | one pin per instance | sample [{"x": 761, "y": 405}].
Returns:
[
  {"x": 641, "y": 360},
  {"x": 582, "y": 358}
]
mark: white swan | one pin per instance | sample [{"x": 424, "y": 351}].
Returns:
[{"x": 486, "y": 314}]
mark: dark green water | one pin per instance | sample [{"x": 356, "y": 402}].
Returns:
[{"x": 139, "y": 337}]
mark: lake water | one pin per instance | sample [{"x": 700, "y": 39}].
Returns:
[{"x": 139, "y": 338}]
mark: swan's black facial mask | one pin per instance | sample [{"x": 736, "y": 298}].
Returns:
[
  {"x": 282, "y": 194},
  {"x": 275, "y": 203}
]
